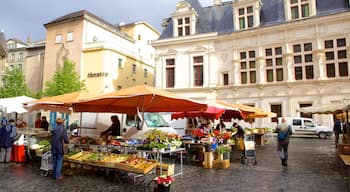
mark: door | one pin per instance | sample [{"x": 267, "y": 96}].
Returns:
[{"x": 309, "y": 127}]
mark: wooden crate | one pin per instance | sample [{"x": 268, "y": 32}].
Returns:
[
  {"x": 167, "y": 169},
  {"x": 221, "y": 164}
]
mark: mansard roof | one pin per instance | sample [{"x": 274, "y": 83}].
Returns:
[{"x": 220, "y": 18}]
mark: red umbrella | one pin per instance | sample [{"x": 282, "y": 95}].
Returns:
[{"x": 212, "y": 112}]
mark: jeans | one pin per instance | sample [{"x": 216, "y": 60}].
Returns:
[
  {"x": 57, "y": 160},
  {"x": 282, "y": 149},
  {"x": 5, "y": 155}
]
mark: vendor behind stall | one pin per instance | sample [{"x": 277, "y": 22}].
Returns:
[{"x": 114, "y": 129}]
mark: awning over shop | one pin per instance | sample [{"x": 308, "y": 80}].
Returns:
[{"x": 330, "y": 108}]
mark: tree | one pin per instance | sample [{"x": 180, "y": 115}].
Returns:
[
  {"x": 65, "y": 80},
  {"x": 13, "y": 83}
]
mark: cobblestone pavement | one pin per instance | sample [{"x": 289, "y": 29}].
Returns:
[{"x": 312, "y": 167}]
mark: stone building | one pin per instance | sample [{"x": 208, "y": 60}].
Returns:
[{"x": 278, "y": 55}]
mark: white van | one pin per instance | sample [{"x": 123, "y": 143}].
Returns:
[
  {"x": 306, "y": 126},
  {"x": 94, "y": 123}
]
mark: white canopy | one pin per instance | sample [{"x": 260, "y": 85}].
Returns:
[
  {"x": 14, "y": 104},
  {"x": 329, "y": 108}
]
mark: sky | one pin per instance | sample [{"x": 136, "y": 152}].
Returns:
[{"x": 23, "y": 18}]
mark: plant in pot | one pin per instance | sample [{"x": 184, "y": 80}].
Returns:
[
  {"x": 161, "y": 147},
  {"x": 163, "y": 183},
  {"x": 223, "y": 152}
]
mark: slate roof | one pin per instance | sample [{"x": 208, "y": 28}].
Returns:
[{"x": 220, "y": 18}]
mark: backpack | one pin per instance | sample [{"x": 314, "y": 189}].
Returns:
[
  {"x": 5, "y": 137},
  {"x": 282, "y": 135}
]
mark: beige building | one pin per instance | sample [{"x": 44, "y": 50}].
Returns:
[
  {"x": 3, "y": 55},
  {"x": 107, "y": 57}
]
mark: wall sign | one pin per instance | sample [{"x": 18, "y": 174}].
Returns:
[{"x": 98, "y": 74}]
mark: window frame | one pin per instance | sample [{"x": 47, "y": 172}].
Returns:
[
  {"x": 272, "y": 55},
  {"x": 248, "y": 70},
  {"x": 184, "y": 27},
  {"x": 245, "y": 17},
  {"x": 334, "y": 63},
  {"x": 70, "y": 36},
  {"x": 302, "y": 51},
  {"x": 58, "y": 38},
  {"x": 170, "y": 69},
  {"x": 198, "y": 71}
]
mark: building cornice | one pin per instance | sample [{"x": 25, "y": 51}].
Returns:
[{"x": 185, "y": 39}]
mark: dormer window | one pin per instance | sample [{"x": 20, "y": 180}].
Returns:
[
  {"x": 246, "y": 14},
  {"x": 298, "y": 9},
  {"x": 183, "y": 26},
  {"x": 184, "y": 20},
  {"x": 246, "y": 19}
]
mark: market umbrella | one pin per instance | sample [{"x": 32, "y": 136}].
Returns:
[
  {"x": 14, "y": 104},
  {"x": 212, "y": 112},
  {"x": 59, "y": 103},
  {"x": 249, "y": 112},
  {"x": 329, "y": 108},
  {"x": 138, "y": 98}
]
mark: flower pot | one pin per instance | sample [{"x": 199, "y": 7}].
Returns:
[{"x": 163, "y": 188}]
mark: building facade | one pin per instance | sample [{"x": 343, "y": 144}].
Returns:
[
  {"x": 276, "y": 55},
  {"x": 3, "y": 55},
  {"x": 108, "y": 57},
  {"x": 29, "y": 57}
]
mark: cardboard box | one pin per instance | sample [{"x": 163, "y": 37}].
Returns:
[
  {"x": 167, "y": 169},
  {"x": 221, "y": 164}
]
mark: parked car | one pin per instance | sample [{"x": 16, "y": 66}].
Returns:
[{"x": 306, "y": 126}]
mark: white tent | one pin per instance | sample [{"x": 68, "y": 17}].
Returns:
[{"x": 14, "y": 104}]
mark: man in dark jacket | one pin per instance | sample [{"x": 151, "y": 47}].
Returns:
[
  {"x": 337, "y": 131},
  {"x": 59, "y": 136}
]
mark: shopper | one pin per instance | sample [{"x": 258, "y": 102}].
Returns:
[
  {"x": 337, "y": 128},
  {"x": 59, "y": 136},
  {"x": 44, "y": 124},
  {"x": 221, "y": 126},
  {"x": 283, "y": 132},
  {"x": 8, "y": 133},
  {"x": 38, "y": 120}
]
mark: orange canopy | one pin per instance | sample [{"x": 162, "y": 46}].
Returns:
[
  {"x": 143, "y": 98},
  {"x": 59, "y": 103},
  {"x": 252, "y": 112}
]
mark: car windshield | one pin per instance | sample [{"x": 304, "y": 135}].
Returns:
[{"x": 155, "y": 120}]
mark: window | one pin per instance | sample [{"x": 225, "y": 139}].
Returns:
[
  {"x": 303, "y": 61},
  {"x": 306, "y": 115},
  {"x": 170, "y": 73},
  {"x": 58, "y": 39},
  {"x": 145, "y": 73},
  {"x": 297, "y": 122},
  {"x": 183, "y": 26},
  {"x": 248, "y": 67},
  {"x": 119, "y": 87},
  {"x": 246, "y": 17},
  {"x": 274, "y": 64},
  {"x": 198, "y": 70},
  {"x": 70, "y": 36},
  {"x": 20, "y": 66},
  {"x": 336, "y": 58},
  {"x": 20, "y": 57},
  {"x": 139, "y": 37},
  {"x": 13, "y": 57},
  {"x": 134, "y": 68},
  {"x": 225, "y": 78},
  {"x": 299, "y": 9},
  {"x": 120, "y": 63},
  {"x": 276, "y": 108}
]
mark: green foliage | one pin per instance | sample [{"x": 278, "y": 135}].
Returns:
[
  {"x": 65, "y": 80},
  {"x": 13, "y": 83},
  {"x": 223, "y": 149}
]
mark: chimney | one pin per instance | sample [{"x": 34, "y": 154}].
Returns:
[
  {"x": 29, "y": 40},
  {"x": 217, "y": 2}
]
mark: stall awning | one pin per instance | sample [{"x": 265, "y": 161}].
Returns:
[{"x": 14, "y": 104}]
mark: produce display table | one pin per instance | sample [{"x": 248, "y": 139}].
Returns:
[
  {"x": 345, "y": 162},
  {"x": 160, "y": 155}
]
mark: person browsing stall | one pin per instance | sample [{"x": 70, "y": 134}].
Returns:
[
  {"x": 59, "y": 136},
  {"x": 221, "y": 126},
  {"x": 44, "y": 123},
  {"x": 114, "y": 129}
]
